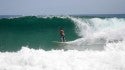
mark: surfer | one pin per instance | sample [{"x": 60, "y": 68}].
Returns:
[{"x": 62, "y": 35}]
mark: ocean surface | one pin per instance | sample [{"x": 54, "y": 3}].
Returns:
[{"x": 93, "y": 42}]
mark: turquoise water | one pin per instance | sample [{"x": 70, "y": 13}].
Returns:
[{"x": 34, "y": 32}]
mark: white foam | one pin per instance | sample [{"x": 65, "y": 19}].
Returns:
[
  {"x": 95, "y": 30},
  {"x": 112, "y": 58},
  {"x": 82, "y": 27}
]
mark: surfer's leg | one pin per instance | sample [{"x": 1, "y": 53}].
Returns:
[{"x": 63, "y": 39}]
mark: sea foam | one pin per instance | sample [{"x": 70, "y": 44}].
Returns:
[
  {"x": 111, "y": 58},
  {"x": 97, "y": 31}
]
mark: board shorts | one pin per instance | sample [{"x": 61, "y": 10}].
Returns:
[{"x": 62, "y": 38}]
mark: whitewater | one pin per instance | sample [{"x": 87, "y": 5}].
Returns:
[{"x": 100, "y": 46}]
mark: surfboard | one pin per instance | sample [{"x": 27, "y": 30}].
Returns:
[{"x": 59, "y": 42}]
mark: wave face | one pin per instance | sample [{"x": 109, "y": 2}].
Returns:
[
  {"x": 40, "y": 32},
  {"x": 34, "y": 32}
]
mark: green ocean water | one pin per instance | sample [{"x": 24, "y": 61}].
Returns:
[{"x": 34, "y": 32}]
